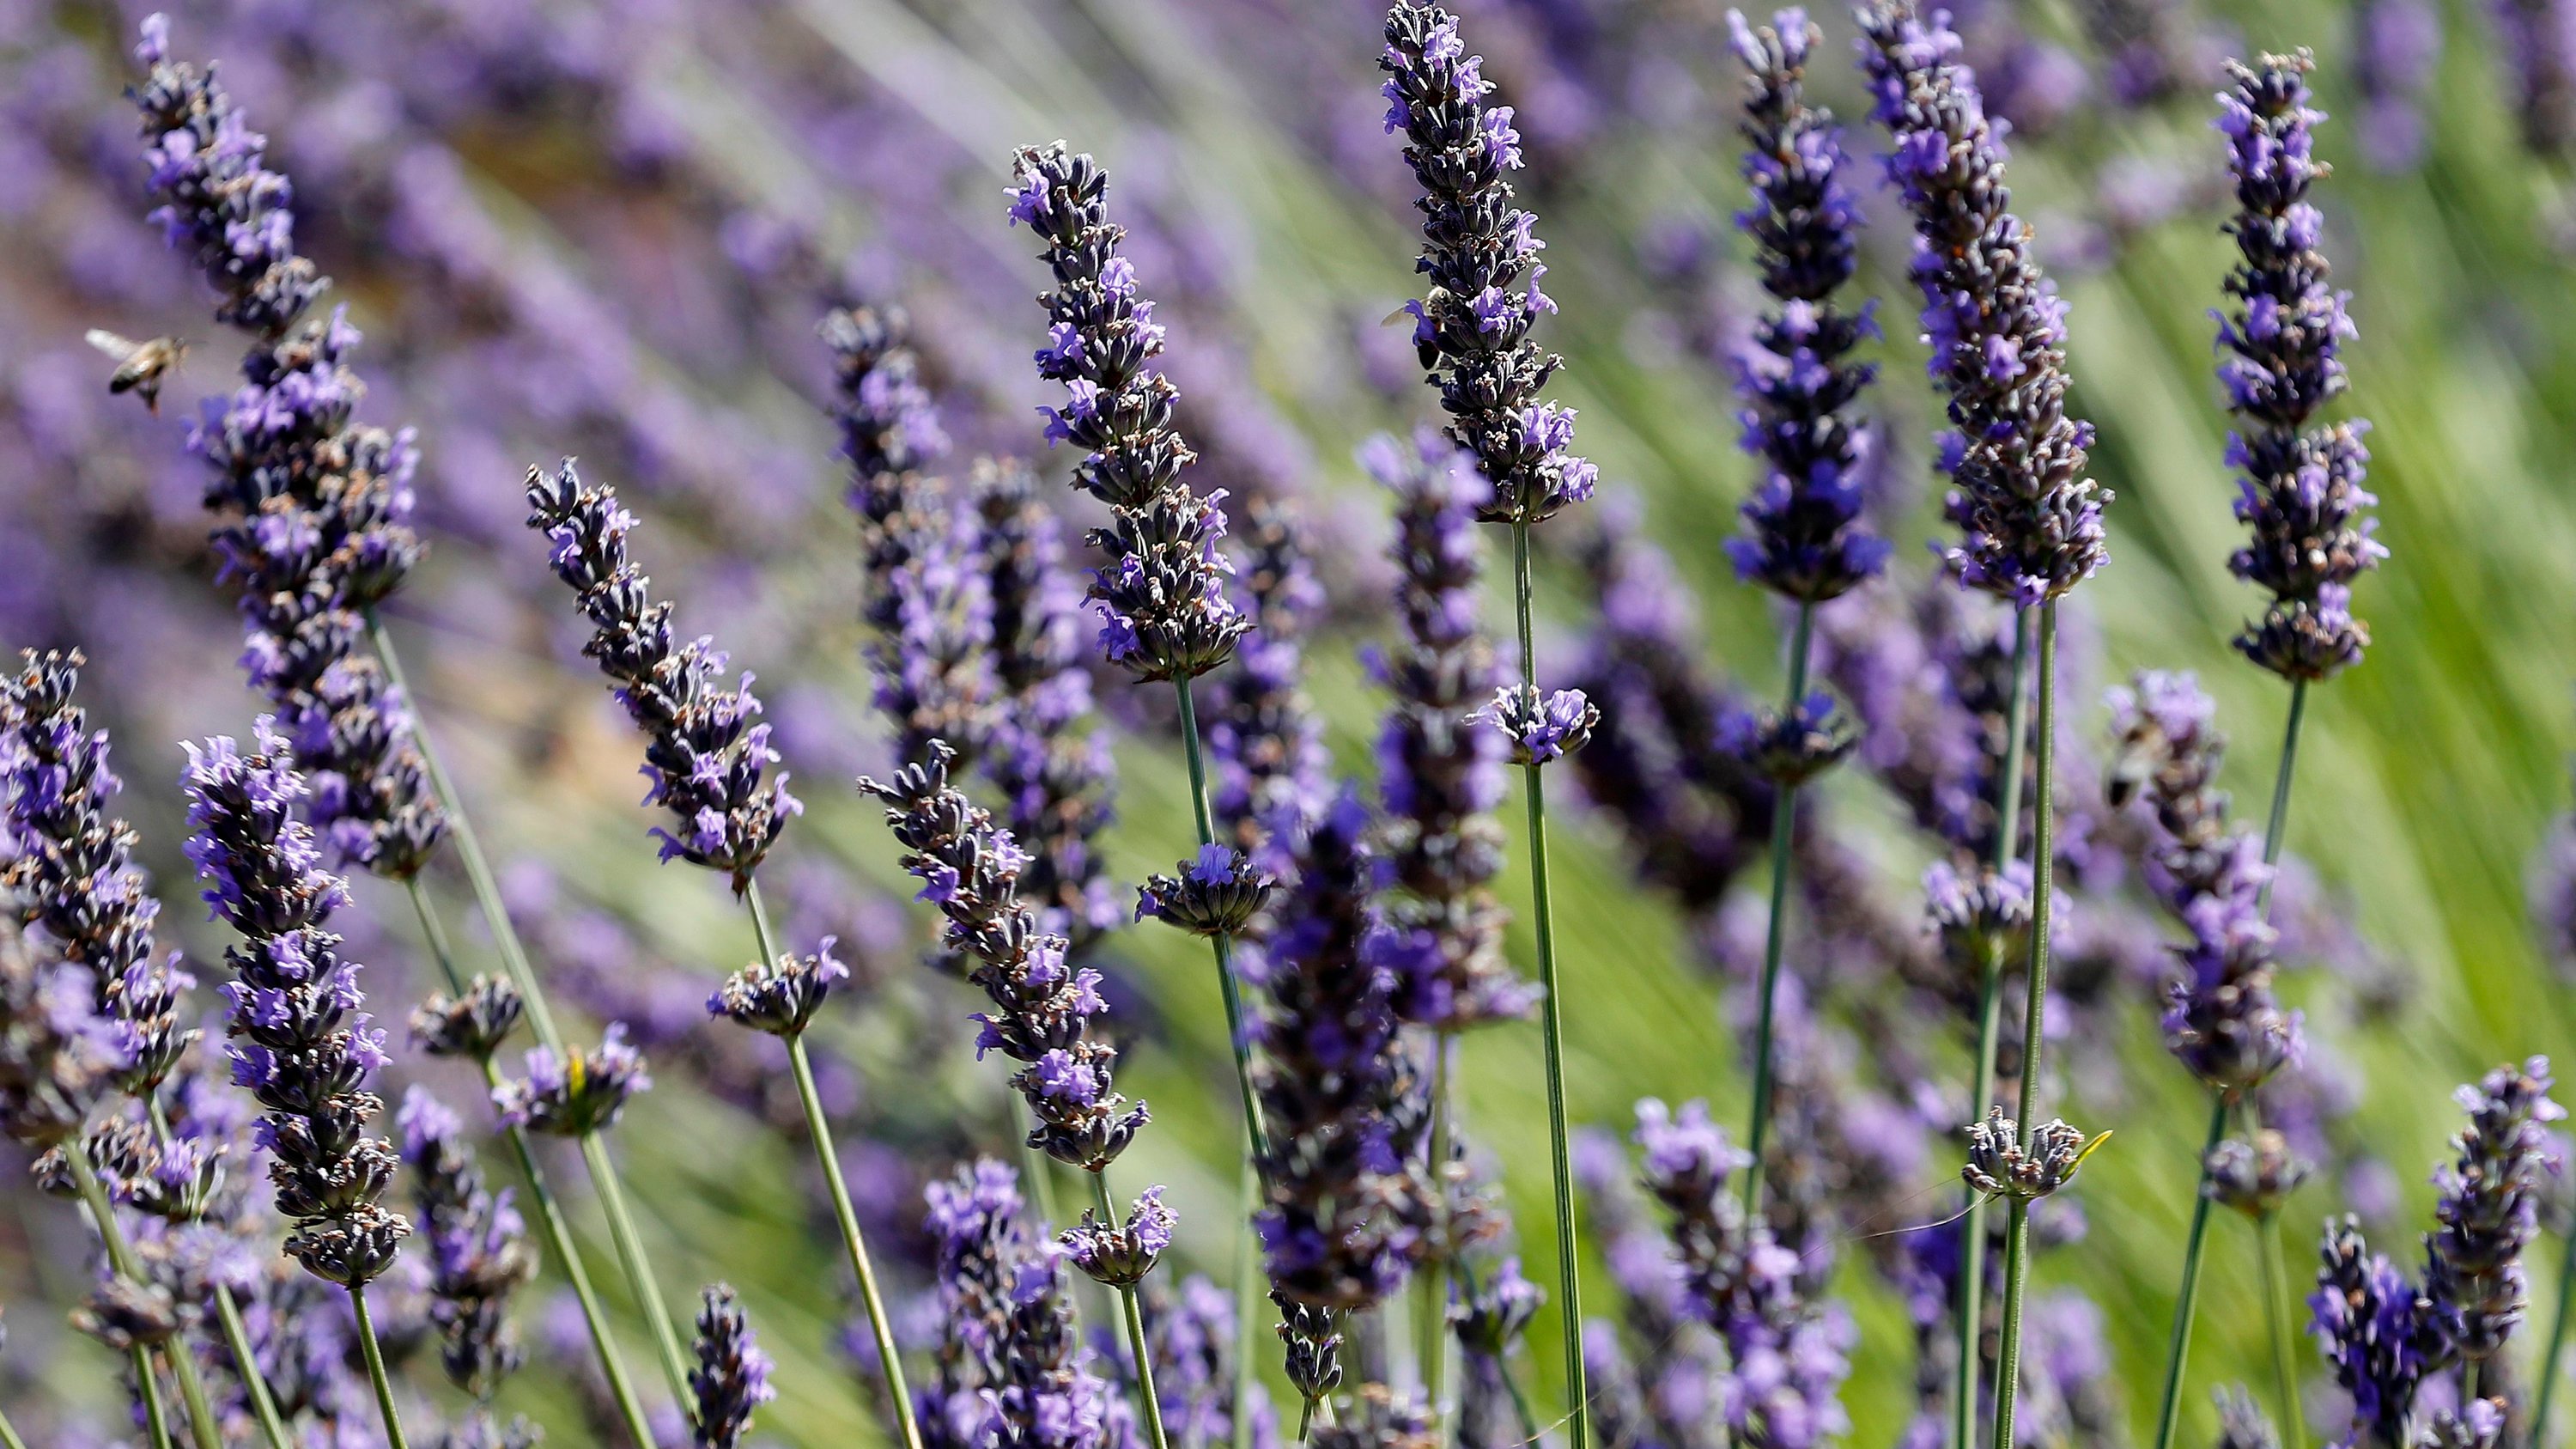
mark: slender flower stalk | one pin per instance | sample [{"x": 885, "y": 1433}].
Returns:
[
  {"x": 2031, "y": 522},
  {"x": 299, "y": 1041},
  {"x": 1472, "y": 333},
  {"x": 1803, "y": 539},
  {"x": 317, "y": 534}
]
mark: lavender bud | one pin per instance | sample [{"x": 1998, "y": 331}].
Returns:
[
  {"x": 2031, "y": 520},
  {"x": 1314, "y": 1346},
  {"x": 781, "y": 997},
  {"x": 1491, "y": 1318},
  {"x": 1803, "y": 536},
  {"x": 1540, "y": 730},
  {"x": 2478, "y": 1424},
  {"x": 300, "y": 1044},
  {"x": 732, "y": 1376},
  {"x": 2379, "y": 1332},
  {"x": 2489, "y": 1206},
  {"x": 1472, "y": 329},
  {"x": 2254, "y": 1178},
  {"x": 1043, "y": 1007},
  {"x": 1214, "y": 895},
  {"x": 471, "y": 1026},
  {"x": 2000, "y": 1166},
  {"x": 574, "y": 1093},
  {"x": 1161, "y": 594},
  {"x": 1121, "y": 1257},
  {"x": 124, "y": 1315},
  {"x": 2301, "y": 492},
  {"x": 1794, "y": 748},
  {"x": 703, "y": 755},
  {"x": 1979, "y": 917}
]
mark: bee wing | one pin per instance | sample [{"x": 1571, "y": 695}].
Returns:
[{"x": 120, "y": 348}]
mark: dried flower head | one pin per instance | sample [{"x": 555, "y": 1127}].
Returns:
[
  {"x": 471, "y": 1026},
  {"x": 779, "y": 997},
  {"x": 1999, "y": 1165}
]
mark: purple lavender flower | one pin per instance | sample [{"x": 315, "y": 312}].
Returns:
[
  {"x": 2489, "y": 1209},
  {"x": 1217, "y": 893},
  {"x": 1804, "y": 539},
  {"x": 1345, "y": 1212},
  {"x": 317, "y": 508},
  {"x": 72, "y": 869},
  {"x": 2254, "y": 1177},
  {"x": 1121, "y": 1256},
  {"x": 1010, "y": 1371},
  {"x": 2396, "y": 46},
  {"x": 780, "y": 997},
  {"x": 57, "y": 1052},
  {"x": 2152, "y": 51},
  {"x": 2242, "y": 1424},
  {"x": 574, "y": 1092},
  {"x": 2032, "y": 522},
  {"x": 1161, "y": 595},
  {"x": 1790, "y": 748},
  {"x": 732, "y": 1376},
  {"x": 2221, "y": 1020},
  {"x": 1472, "y": 329},
  {"x": 1265, "y": 743},
  {"x": 2478, "y": 1424},
  {"x": 890, "y": 428},
  {"x": 1539, "y": 729},
  {"x": 1787, "y": 1357},
  {"x": 2301, "y": 490},
  {"x": 703, "y": 755},
  {"x": 1191, "y": 1339},
  {"x": 2538, "y": 45},
  {"x": 300, "y": 1044},
  {"x": 2379, "y": 1332},
  {"x": 1043, "y": 1007},
  {"x": 1439, "y": 776},
  {"x": 478, "y": 1256}
]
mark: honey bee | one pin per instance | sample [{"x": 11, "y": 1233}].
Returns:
[{"x": 140, "y": 366}]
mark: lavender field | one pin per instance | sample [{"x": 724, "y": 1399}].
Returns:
[{"x": 1201, "y": 724}]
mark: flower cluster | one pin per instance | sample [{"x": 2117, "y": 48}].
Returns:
[
  {"x": 72, "y": 869},
  {"x": 1161, "y": 595},
  {"x": 1999, "y": 1165},
  {"x": 1803, "y": 538},
  {"x": 2254, "y": 1177},
  {"x": 300, "y": 1044},
  {"x": 1472, "y": 329},
  {"x": 1217, "y": 893},
  {"x": 1121, "y": 1256},
  {"x": 703, "y": 755},
  {"x": 478, "y": 1256},
  {"x": 1010, "y": 1370},
  {"x": 57, "y": 1052},
  {"x": 1440, "y": 777},
  {"x": 2222, "y": 1019},
  {"x": 1191, "y": 1339},
  {"x": 574, "y": 1092},
  {"x": 1042, "y": 1005},
  {"x": 1538, "y": 729},
  {"x": 1794, "y": 747},
  {"x": 1787, "y": 1357},
  {"x": 779, "y": 997},
  {"x": 2301, "y": 492},
  {"x": 2031, "y": 520},
  {"x": 316, "y": 507},
  {"x": 890, "y": 428},
  {"x": 1345, "y": 1211},
  {"x": 2489, "y": 1208},
  {"x": 732, "y": 1376},
  {"x": 472, "y": 1025},
  {"x": 2382, "y": 1336},
  {"x": 1265, "y": 744}
]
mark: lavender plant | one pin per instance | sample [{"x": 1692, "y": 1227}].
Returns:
[
  {"x": 1472, "y": 335},
  {"x": 2031, "y": 522},
  {"x": 477, "y": 1249},
  {"x": 300, "y": 1044},
  {"x": 1803, "y": 538}
]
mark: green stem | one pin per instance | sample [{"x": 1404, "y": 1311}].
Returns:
[
  {"x": 2557, "y": 1345},
  {"x": 228, "y": 1317},
  {"x": 9, "y": 1434},
  {"x": 120, "y": 1257},
  {"x": 1195, "y": 755},
  {"x": 1552, "y": 1034},
  {"x": 1305, "y": 1419},
  {"x": 2178, "y": 1347},
  {"x": 612, "y": 1359},
  {"x": 639, "y": 1271},
  {"x": 1247, "y": 1290},
  {"x": 2043, "y": 806},
  {"x": 375, "y": 1356},
  {"x": 1970, "y": 1324},
  {"x": 878, "y": 1324},
  {"x": 1148, "y": 1400},
  {"x": 2272, "y": 831},
  {"x": 2276, "y": 1302},
  {"x": 1431, "y": 1296},
  {"x": 1784, "y": 815}
]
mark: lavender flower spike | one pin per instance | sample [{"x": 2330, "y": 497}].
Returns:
[
  {"x": 2301, "y": 490},
  {"x": 1042, "y": 1007},
  {"x": 300, "y": 1044},
  {"x": 703, "y": 755},
  {"x": 72, "y": 869},
  {"x": 2489, "y": 1209},
  {"x": 477, "y": 1249},
  {"x": 732, "y": 1376},
  {"x": 1161, "y": 595},
  {"x": 2031, "y": 521},
  {"x": 1472, "y": 329},
  {"x": 2379, "y": 1332},
  {"x": 1803, "y": 537}
]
